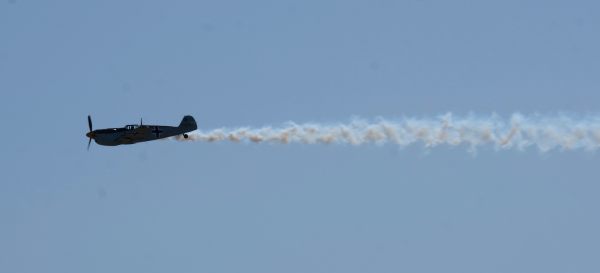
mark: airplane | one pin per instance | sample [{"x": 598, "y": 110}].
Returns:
[{"x": 131, "y": 134}]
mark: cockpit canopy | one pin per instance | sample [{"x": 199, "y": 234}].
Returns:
[{"x": 131, "y": 127}]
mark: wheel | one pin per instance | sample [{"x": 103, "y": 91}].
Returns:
[{"x": 185, "y": 136}]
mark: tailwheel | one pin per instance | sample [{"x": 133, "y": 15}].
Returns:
[{"x": 185, "y": 136}]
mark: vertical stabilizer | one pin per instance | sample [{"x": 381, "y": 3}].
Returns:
[{"x": 188, "y": 123}]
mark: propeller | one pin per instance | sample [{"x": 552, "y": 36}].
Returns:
[
  {"x": 141, "y": 123},
  {"x": 89, "y": 134}
]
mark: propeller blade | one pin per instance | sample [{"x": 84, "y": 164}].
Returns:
[
  {"x": 90, "y": 122},
  {"x": 141, "y": 123},
  {"x": 89, "y": 142}
]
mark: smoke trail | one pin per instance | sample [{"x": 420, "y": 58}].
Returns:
[{"x": 518, "y": 132}]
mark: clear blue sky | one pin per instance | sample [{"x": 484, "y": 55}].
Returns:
[{"x": 168, "y": 206}]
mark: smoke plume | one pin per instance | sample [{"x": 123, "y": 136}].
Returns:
[{"x": 561, "y": 132}]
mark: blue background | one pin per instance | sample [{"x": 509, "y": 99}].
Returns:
[{"x": 169, "y": 206}]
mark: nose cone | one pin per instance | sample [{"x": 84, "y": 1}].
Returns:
[{"x": 90, "y": 134}]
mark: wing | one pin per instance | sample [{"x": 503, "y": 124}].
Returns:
[{"x": 135, "y": 135}]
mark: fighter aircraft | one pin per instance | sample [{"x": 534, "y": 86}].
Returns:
[{"x": 131, "y": 134}]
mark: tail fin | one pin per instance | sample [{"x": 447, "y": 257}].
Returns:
[{"x": 188, "y": 123}]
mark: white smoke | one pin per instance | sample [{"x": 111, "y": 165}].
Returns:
[{"x": 518, "y": 132}]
